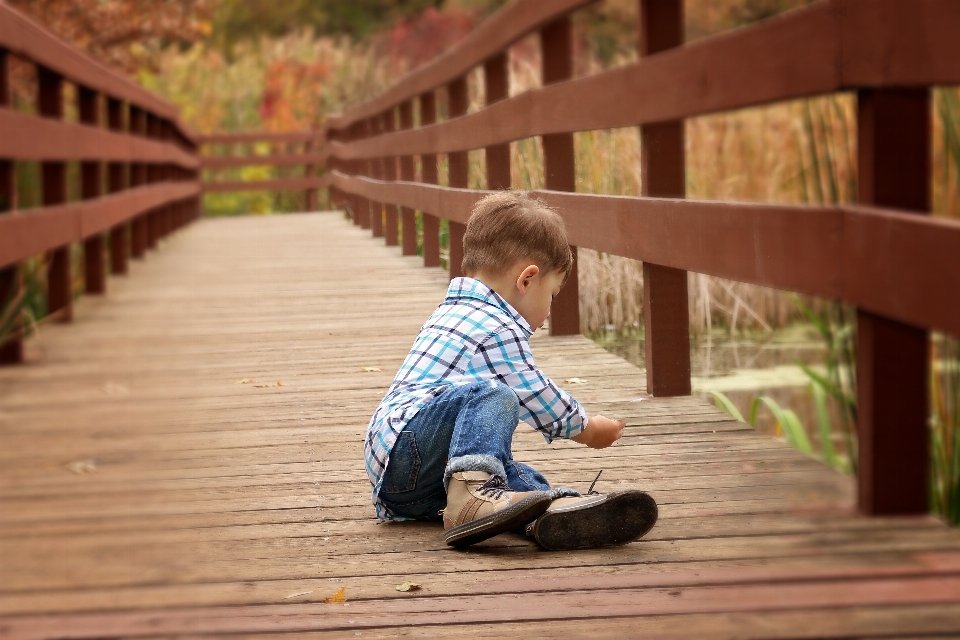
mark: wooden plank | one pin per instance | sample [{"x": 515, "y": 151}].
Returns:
[
  {"x": 247, "y": 137},
  {"x": 274, "y": 160},
  {"x": 279, "y": 184}
]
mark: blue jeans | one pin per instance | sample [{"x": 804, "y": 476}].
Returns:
[{"x": 467, "y": 428}]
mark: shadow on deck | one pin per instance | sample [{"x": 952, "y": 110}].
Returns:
[{"x": 186, "y": 459}]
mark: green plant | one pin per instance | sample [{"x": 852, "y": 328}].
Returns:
[{"x": 945, "y": 428}]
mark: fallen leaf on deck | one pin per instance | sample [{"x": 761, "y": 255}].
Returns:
[
  {"x": 339, "y": 596},
  {"x": 81, "y": 467},
  {"x": 279, "y": 384},
  {"x": 575, "y": 381},
  {"x": 409, "y": 586},
  {"x": 297, "y": 594},
  {"x": 113, "y": 389},
  {"x": 262, "y": 386},
  {"x": 243, "y": 381},
  {"x": 371, "y": 369}
]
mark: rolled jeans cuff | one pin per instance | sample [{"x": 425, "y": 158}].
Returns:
[{"x": 476, "y": 462}]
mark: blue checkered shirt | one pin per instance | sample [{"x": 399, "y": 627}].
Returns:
[{"x": 474, "y": 335}]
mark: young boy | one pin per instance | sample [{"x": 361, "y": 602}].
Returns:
[{"x": 439, "y": 444}]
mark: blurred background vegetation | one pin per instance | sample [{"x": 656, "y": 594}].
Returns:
[{"x": 784, "y": 363}]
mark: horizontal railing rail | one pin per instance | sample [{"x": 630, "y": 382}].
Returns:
[
  {"x": 289, "y": 149},
  {"x": 896, "y": 267},
  {"x": 137, "y": 172}
]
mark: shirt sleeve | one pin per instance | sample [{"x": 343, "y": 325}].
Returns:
[{"x": 543, "y": 405}]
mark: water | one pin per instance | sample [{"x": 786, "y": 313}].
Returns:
[{"x": 745, "y": 366}]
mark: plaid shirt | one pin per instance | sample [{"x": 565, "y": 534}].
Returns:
[{"x": 474, "y": 335}]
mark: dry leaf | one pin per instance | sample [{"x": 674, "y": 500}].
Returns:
[
  {"x": 409, "y": 586},
  {"x": 279, "y": 384},
  {"x": 113, "y": 389},
  {"x": 262, "y": 386},
  {"x": 371, "y": 369},
  {"x": 575, "y": 381},
  {"x": 243, "y": 381},
  {"x": 297, "y": 594},
  {"x": 339, "y": 596},
  {"x": 81, "y": 467}
]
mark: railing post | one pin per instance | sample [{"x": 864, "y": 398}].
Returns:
[
  {"x": 116, "y": 181},
  {"x": 496, "y": 81},
  {"x": 428, "y": 169},
  {"x": 309, "y": 171},
  {"x": 459, "y": 171},
  {"x": 358, "y": 203},
  {"x": 408, "y": 217},
  {"x": 390, "y": 223},
  {"x": 665, "y": 305},
  {"x": 59, "y": 281},
  {"x": 138, "y": 176},
  {"x": 154, "y": 218},
  {"x": 363, "y": 168},
  {"x": 94, "y": 247},
  {"x": 11, "y": 351},
  {"x": 894, "y": 148},
  {"x": 556, "y": 43},
  {"x": 376, "y": 172}
]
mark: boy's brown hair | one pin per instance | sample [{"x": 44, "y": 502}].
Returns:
[{"x": 509, "y": 226}]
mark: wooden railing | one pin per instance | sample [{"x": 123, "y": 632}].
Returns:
[
  {"x": 898, "y": 268},
  {"x": 124, "y": 134},
  {"x": 299, "y": 148}
]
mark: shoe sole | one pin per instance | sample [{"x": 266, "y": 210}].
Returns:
[
  {"x": 623, "y": 517},
  {"x": 508, "y": 519}
]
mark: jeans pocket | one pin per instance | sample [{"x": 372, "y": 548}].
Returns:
[{"x": 404, "y": 467}]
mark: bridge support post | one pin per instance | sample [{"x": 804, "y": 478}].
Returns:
[
  {"x": 428, "y": 174},
  {"x": 459, "y": 168},
  {"x": 91, "y": 180},
  {"x": 665, "y": 302},
  {"x": 138, "y": 176},
  {"x": 496, "y": 80},
  {"x": 59, "y": 280},
  {"x": 556, "y": 41},
  {"x": 390, "y": 221},
  {"x": 11, "y": 351},
  {"x": 376, "y": 171},
  {"x": 408, "y": 217},
  {"x": 116, "y": 181},
  {"x": 894, "y": 132}
]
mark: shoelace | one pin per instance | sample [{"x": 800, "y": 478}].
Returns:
[
  {"x": 590, "y": 491},
  {"x": 494, "y": 487}
]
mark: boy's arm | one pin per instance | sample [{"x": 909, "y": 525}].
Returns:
[{"x": 600, "y": 432}]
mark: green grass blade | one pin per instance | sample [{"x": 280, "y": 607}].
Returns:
[
  {"x": 788, "y": 421},
  {"x": 826, "y": 428},
  {"x": 723, "y": 402}
]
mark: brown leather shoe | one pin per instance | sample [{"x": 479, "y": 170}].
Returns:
[
  {"x": 595, "y": 520},
  {"x": 480, "y": 506}
]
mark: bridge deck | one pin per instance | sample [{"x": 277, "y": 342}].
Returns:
[{"x": 146, "y": 491}]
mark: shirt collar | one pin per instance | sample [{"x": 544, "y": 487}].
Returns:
[{"x": 471, "y": 288}]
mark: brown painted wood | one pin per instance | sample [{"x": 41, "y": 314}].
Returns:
[
  {"x": 838, "y": 258},
  {"x": 408, "y": 216},
  {"x": 559, "y": 170},
  {"x": 274, "y": 160},
  {"x": 390, "y": 219},
  {"x": 496, "y": 82},
  {"x": 491, "y": 37},
  {"x": 458, "y": 171},
  {"x": 91, "y": 181},
  {"x": 428, "y": 170},
  {"x": 54, "y": 180},
  {"x": 11, "y": 350},
  {"x": 375, "y": 166},
  {"x": 23, "y": 234},
  {"x": 277, "y": 184},
  {"x": 663, "y": 174},
  {"x": 247, "y": 137},
  {"x": 29, "y": 40},
  {"x": 116, "y": 182},
  {"x": 894, "y": 155}
]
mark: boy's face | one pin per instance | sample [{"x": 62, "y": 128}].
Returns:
[{"x": 536, "y": 291}]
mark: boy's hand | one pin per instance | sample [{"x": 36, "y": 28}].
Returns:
[{"x": 600, "y": 432}]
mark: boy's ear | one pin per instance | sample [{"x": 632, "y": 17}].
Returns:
[{"x": 523, "y": 280}]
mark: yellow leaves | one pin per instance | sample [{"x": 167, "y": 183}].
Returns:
[
  {"x": 82, "y": 467},
  {"x": 370, "y": 369},
  {"x": 339, "y": 596},
  {"x": 409, "y": 586}
]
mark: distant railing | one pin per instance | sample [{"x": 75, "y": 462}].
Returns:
[
  {"x": 899, "y": 269},
  {"x": 124, "y": 134},
  {"x": 298, "y": 148}
]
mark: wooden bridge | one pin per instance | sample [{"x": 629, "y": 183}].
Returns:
[{"x": 183, "y": 455}]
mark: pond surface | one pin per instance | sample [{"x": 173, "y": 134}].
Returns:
[{"x": 745, "y": 366}]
